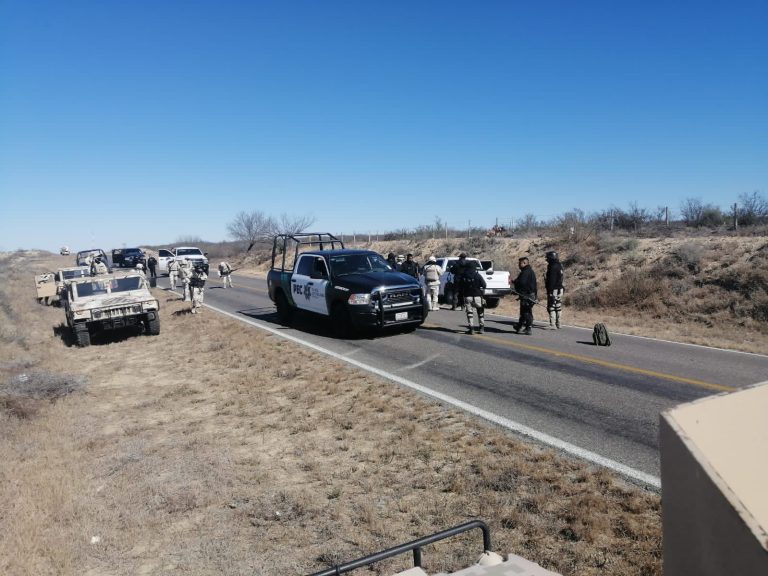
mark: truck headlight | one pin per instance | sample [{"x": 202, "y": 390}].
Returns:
[{"x": 358, "y": 299}]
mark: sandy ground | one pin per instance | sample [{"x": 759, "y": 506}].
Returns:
[{"x": 215, "y": 448}]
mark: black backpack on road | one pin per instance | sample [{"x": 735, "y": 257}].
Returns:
[{"x": 600, "y": 335}]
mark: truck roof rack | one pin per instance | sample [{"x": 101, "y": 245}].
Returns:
[{"x": 282, "y": 243}]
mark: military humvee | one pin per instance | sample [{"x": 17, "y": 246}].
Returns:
[
  {"x": 110, "y": 301},
  {"x": 50, "y": 287}
]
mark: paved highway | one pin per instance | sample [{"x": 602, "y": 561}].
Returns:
[{"x": 604, "y": 400}]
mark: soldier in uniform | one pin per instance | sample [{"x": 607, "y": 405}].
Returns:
[
  {"x": 197, "y": 283},
  {"x": 525, "y": 287},
  {"x": 98, "y": 266},
  {"x": 225, "y": 272},
  {"x": 472, "y": 288},
  {"x": 173, "y": 272},
  {"x": 140, "y": 268},
  {"x": 392, "y": 261},
  {"x": 554, "y": 284},
  {"x": 432, "y": 282},
  {"x": 185, "y": 274}
]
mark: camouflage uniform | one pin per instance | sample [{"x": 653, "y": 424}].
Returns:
[
  {"x": 432, "y": 282},
  {"x": 98, "y": 267},
  {"x": 173, "y": 272},
  {"x": 197, "y": 282},
  {"x": 225, "y": 271},
  {"x": 185, "y": 273}
]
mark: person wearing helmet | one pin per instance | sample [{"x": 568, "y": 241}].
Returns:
[
  {"x": 554, "y": 284},
  {"x": 431, "y": 274},
  {"x": 98, "y": 267},
  {"x": 173, "y": 272},
  {"x": 225, "y": 273},
  {"x": 185, "y": 273},
  {"x": 140, "y": 268},
  {"x": 197, "y": 284}
]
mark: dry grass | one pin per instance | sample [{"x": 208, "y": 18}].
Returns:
[{"x": 214, "y": 448}]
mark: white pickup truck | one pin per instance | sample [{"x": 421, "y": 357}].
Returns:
[
  {"x": 194, "y": 255},
  {"x": 496, "y": 281}
]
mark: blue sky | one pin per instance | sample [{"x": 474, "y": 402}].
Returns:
[{"x": 125, "y": 123}]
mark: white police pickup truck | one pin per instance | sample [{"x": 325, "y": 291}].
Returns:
[
  {"x": 496, "y": 281},
  {"x": 194, "y": 255}
]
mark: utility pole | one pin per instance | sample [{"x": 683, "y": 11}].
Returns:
[
  {"x": 611, "y": 219},
  {"x": 446, "y": 230},
  {"x": 735, "y": 216},
  {"x": 469, "y": 230},
  {"x": 666, "y": 216}
]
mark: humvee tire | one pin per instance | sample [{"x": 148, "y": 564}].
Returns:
[
  {"x": 82, "y": 335},
  {"x": 153, "y": 326}
]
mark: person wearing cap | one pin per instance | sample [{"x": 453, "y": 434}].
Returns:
[
  {"x": 392, "y": 261},
  {"x": 526, "y": 290},
  {"x": 410, "y": 267},
  {"x": 554, "y": 283},
  {"x": 472, "y": 286},
  {"x": 431, "y": 273},
  {"x": 98, "y": 266}
]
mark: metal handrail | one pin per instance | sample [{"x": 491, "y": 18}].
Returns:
[
  {"x": 414, "y": 546},
  {"x": 321, "y": 239}
]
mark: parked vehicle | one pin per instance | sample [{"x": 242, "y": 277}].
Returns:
[
  {"x": 355, "y": 289},
  {"x": 196, "y": 256},
  {"x": 50, "y": 286},
  {"x": 497, "y": 281},
  {"x": 97, "y": 303},
  {"x": 64, "y": 251},
  {"x": 82, "y": 257},
  {"x": 163, "y": 257}
]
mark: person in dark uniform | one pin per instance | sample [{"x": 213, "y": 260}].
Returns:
[
  {"x": 554, "y": 283},
  {"x": 392, "y": 261},
  {"x": 525, "y": 288},
  {"x": 472, "y": 286},
  {"x": 410, "y": 267},
  {"x": 152, "y": 265}
]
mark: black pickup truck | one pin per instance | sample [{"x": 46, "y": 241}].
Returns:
[{"x": 356, "y": 289}]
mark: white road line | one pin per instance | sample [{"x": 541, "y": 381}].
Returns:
[{"x": 566, "y": 447}]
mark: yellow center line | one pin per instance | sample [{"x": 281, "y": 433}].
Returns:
[{"x": 607, "y": 364}]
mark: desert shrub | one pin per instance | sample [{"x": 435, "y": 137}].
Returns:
[
  {"x": 611, "y": 244},
  {"x": 689, "y": 255}
]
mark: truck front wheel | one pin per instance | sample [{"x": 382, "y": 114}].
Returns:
[
  {"x": 153, "y": 326},
  {"x": 341, "y": 323},
  {"x": 284, "y": 310},
  {"x": 82, "y": 335}
]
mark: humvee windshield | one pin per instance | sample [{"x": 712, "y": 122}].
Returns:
[
  {"x": 69, "y": 274},
  {"x": 358, "y": 264},
  {"x": 113, "y": 285}
]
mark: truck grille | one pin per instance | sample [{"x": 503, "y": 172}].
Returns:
[
  {"x": 398, "y": 298},
  {"x": 118, "y": 312}
]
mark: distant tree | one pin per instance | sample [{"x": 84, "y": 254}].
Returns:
[
  {"x": 528, "y": 222},
  {"x": 695, "y": 213},
  {"x": 691, "y": 210},
  {"x": 753, "y": 209},
  {"x": 189, "y": 240},
  {"x": 291, "y": 224},
  {"x": 251, "y": 227}
]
